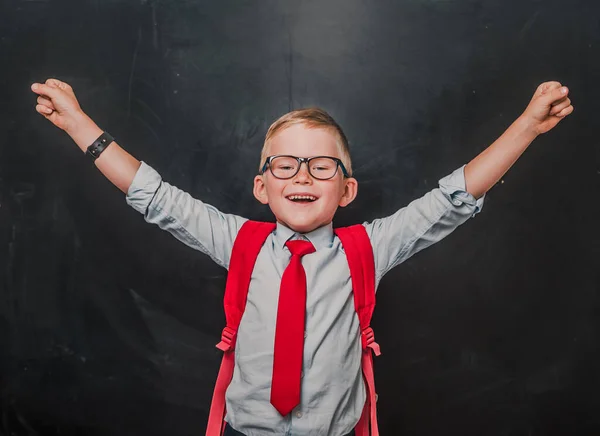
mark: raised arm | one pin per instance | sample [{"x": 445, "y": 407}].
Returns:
[
  {"x": 197, "y": 224},
  {"x": 549, "y": 105},
  {"x": 57, "y": 102},
  {"x": 432, "y": 217}
]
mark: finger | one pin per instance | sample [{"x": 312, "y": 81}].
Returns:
[
  {"x": 547, "y": 86},
  {"x": 44, "y": 110},
  {"x": 559, "y": 107},
  {"x": 555, "y": 95},
  {"x": 45, "y": 102},
  {"x": 566, "y": 111},
  {"x": 562, "y": 100},
  {"x": 55, "y": 83},
  {"x": 45, "y": 90}
]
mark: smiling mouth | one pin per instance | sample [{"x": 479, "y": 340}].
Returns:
[{"x": 304, "y": 199}]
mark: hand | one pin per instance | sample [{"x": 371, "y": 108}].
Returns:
[
  {"x": 57, "y": 102},
  {"x": 549, "y": 105}
]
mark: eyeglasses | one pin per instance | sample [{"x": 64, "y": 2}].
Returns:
[{"x": 319, "y": 167}]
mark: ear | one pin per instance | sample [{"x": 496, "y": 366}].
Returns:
[
  {"x": 350, "y": 191},
  {"x": 260, "y": 190}
]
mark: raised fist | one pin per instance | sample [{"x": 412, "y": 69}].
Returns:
[{"x": 57, "y": 102}]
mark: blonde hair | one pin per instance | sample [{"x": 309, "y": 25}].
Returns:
[{"x": 312, "y": 117}]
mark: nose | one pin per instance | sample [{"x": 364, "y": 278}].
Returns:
[{"x": 303, "y": 176}]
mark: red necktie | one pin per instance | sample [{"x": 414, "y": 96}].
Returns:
[{"x": 289, "y": 332}]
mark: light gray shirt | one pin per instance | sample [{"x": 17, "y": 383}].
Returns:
[{"x": 332, "y": 392}]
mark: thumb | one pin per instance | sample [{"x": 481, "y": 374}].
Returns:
[{"x": 46, "y": 90}]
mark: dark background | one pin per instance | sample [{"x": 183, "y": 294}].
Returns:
[{"x": 108, "y": 324}]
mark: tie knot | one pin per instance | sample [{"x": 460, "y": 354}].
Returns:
[{"x": 300, "y": 248}]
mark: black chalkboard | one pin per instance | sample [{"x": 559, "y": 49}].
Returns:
[{"x": 108, "y": 325}]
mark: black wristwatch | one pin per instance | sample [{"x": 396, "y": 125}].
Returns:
[{"x": 99, "y": 145}]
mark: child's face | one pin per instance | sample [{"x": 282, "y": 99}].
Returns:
[{"x": 304, "y": 216}]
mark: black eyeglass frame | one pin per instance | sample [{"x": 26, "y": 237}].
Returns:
[{"x": 300, "y": 160}]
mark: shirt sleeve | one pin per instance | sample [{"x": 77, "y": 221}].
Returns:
[
  {"x": 422, "y": 223},
  {"x": 193, "y": 222}
]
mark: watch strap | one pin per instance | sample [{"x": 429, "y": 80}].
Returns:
[{"x": 99, "y": 145}]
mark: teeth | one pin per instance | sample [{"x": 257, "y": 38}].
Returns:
[{"x": 302, "y": 197}]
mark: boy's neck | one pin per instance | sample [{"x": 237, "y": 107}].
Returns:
[
  {"x": 329, "y": 224},
  {"x": 321, "y": 237}
]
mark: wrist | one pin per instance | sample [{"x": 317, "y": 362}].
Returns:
[
  {"x": 83, "y": 131},
  {"x": 527, "y": 127}
]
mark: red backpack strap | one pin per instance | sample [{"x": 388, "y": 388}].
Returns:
[
  {"x": 247, "y": 245},
  {"x": 359, "y": 253}
]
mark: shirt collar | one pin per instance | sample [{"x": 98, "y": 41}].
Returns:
[{"x": 320, "y": 238}]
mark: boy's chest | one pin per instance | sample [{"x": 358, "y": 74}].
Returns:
[
  {"x": 329, "y": 299},
  {"x": 327, "y": 279}
]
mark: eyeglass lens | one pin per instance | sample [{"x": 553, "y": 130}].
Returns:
[{"x": 285, "y": 167}]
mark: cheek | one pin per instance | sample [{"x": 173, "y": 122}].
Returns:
[
  {"x": 274, "y": 187},
  {"x": 333, "y": 198},
  {"x": 337, "y": 193},
  {"x": 275, "y": 196}
]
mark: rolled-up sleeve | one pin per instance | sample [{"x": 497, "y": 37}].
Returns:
[
  {"x": 422, "y": 223},
  {"x": 193, "y": 222},
  {"x": 454, "y": 187}
]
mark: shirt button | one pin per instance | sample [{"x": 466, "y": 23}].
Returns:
[
  {"x": 298, "y": 414},
  {"x": 301, "y": 374},
  {"x": 305, "y": 334}
]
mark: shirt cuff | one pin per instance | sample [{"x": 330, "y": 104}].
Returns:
[
  {"x": 143, "y": 188},
  {"x": 454, "y": 187}
]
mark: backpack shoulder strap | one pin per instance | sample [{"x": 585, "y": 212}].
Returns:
[
  {"x": 247, "y": 245},
  {"x": 359, "y": 253},
  {"x": 248, "y": 242},
  {"x": 361, "y": 262}
]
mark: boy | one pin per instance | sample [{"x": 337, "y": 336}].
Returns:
[{"x": 304, "y": 199}]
